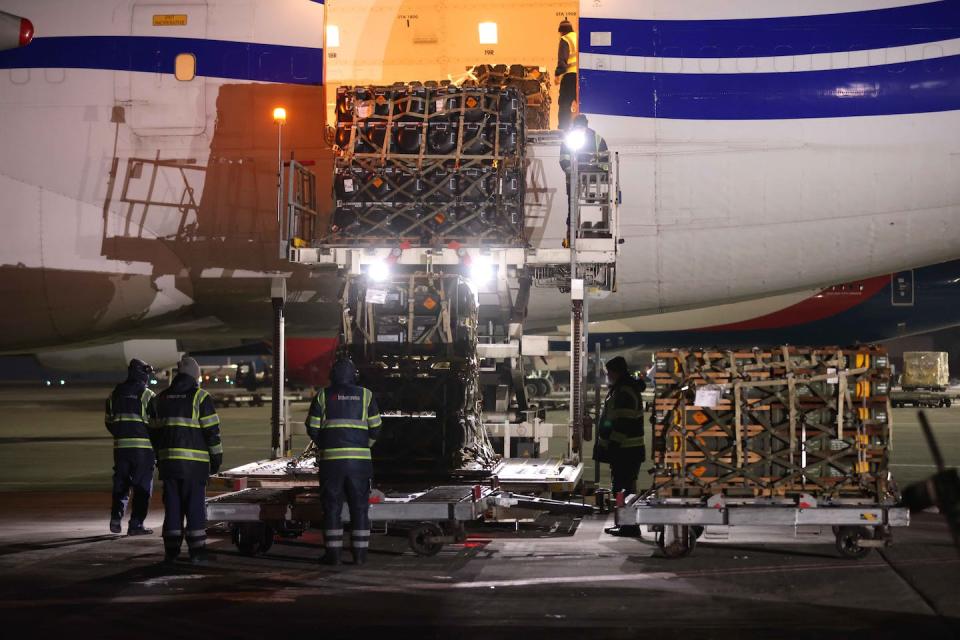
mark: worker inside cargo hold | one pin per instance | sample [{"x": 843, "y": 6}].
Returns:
[{"x": 566, "y": 73}]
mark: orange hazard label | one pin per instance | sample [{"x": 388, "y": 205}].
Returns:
[
  {"x": 700, "y": 417},
  {"x": 471, "y": 102},
  {"x": 430, "y": 303},
  {"x": 170, "y": 20}
]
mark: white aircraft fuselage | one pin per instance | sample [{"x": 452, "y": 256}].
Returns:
[{"x": 765, "y": 147}]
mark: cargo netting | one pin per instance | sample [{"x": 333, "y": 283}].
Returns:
[
  {"x": 789, "y": 421},
  {"x": 429, "y": 164}
]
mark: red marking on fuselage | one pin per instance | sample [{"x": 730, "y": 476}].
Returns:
[{"x": 827, "y": 303}]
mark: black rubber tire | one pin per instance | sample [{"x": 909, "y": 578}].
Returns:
[
  {"x": 252, "y": 538},
  {"x": 847, "y": 544},
  {"x": 678, "y": 548},
  {"x": 543, "y": 388},
  {"x": 418, "y": 542},
  {"x": 531, "y": 387}
]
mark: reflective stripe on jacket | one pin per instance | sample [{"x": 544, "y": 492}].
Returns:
[
  {"x": 129, "y": 410},
  {"x": 620, "y": 432},
  {"x": 186, "y": 432},
  {"x": 344, "y": 422}
]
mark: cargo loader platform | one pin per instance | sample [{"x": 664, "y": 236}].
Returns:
[{"x": 434, "y": 516}]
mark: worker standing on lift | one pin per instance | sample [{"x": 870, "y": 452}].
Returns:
[
  {"x": 566, "y": 73},
  {"x": 344, "y": 422},
  {"x": 591, "y": 152},
  {"x": 620, "y": 432},
  {"x": 128, "y": 413},
  {"x": 186, "y": 437}
]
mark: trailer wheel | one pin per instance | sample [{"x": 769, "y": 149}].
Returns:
[
  {"x": 543, "y": 387},
  {"x": 253, "y": 538},
  {"x": 420, "y": 542},
  {"x": 531, "y": 388},
  {"x": 848, "y": 542},
  {"x": 682, "y": 540}
]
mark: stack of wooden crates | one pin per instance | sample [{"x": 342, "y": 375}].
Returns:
[{"x": 779, "y": 422}]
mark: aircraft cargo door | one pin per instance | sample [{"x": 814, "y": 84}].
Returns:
[{"x": 167, "y": 97}]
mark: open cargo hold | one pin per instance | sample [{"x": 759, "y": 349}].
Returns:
[
  {"x": 925, "y": 370},
  {"x": 428, "y": 164},
  {"x": 532, "y": 82},
  {"x": 787, "y": 422}
]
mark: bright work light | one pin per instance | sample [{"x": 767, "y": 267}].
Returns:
[
  {"x": 378, "y": 271},
  {"x": 575, "y": 139},
  {"x": 481, "y": 270},
  {"x": 280, "y": 115}
]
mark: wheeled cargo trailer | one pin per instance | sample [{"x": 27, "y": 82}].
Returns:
[
  {"x": 854, "y": 527},
  {"x": 436, "y": 516}
]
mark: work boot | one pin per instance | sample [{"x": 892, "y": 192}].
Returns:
[
  {"x": 170, "y": 557},
  {"x": 331, "y": 558},
  {"x": 139, "y": 531},
  {"x": 624, "y": 531},
  {"x": 199, "y": 558},
  {"x": 359, "y": 556},
  {"x": 116, "y": 526}
]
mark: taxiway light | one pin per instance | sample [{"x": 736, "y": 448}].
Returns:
[{"x": 279, "y": 115}]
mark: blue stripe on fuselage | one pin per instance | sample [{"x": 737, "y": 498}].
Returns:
[
  {"x": 215, "y": 58},
  {"x": 912, "y": 87},
  {"x": 761, "y": 37}
]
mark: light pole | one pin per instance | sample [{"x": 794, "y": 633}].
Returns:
[
  {"x": 278, "y": 296},
  {"x": 280, "y": 118}
]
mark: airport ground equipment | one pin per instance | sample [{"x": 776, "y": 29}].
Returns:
[
  {"x": 925, "y": 379},
  {"x": 432, "y": 518},
  {"x": 430, "y": 185},
  {"x": 794, "y": 437},
  {"x": 853, "y": 526}
]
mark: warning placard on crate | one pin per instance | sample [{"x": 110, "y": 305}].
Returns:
[
  {"x": 376, "y": 296},
  {"x": 708, "y": 395}
]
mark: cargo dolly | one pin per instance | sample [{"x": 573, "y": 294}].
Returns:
[
  {"x": 435, "y": 516},
  {"x": 855, "y": 527}
]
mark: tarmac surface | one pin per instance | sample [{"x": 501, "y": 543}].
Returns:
[{"x": 62, "y": 572}]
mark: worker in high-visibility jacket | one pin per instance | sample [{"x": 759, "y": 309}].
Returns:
[
  {"x": 592, "y": 155},
  {"x": 186, "y": 437},
  {"x": 129, "y": 410},
  {"x": 344, "y": 422},
  {"x": 566, "y": 73},
  {"x": 620, "y": 431}
]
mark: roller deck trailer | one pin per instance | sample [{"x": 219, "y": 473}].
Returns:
[
  {"x": 853, "y": 526},
  {"x": 434, "y": 517}
]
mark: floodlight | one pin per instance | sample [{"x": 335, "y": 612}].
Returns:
[
  {"x": 378, "y": 271},
  {"x": 575, "y": 139}
]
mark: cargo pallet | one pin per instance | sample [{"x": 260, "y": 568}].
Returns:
[{"x": 437, "y": 516}]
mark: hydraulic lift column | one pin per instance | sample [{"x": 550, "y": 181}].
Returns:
[{"x": 278, "y": 423}]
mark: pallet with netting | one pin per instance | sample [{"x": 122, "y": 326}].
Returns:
[{"x": 782, "y": 422}]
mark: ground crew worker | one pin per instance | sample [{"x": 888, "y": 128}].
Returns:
[
  {"x": 620, "y": 432},
  {"x": 344, "y": 422},
  {"x": 592, "y": 155},
  {"x": 128, "y": 413},
  {"x": 186, "y": 437},
  {"x": 566, "y": 73}
]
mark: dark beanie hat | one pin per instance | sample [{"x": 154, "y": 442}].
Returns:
[
  {"x": 619, "y": 365},
  {"x": 565, "y": 26}
]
